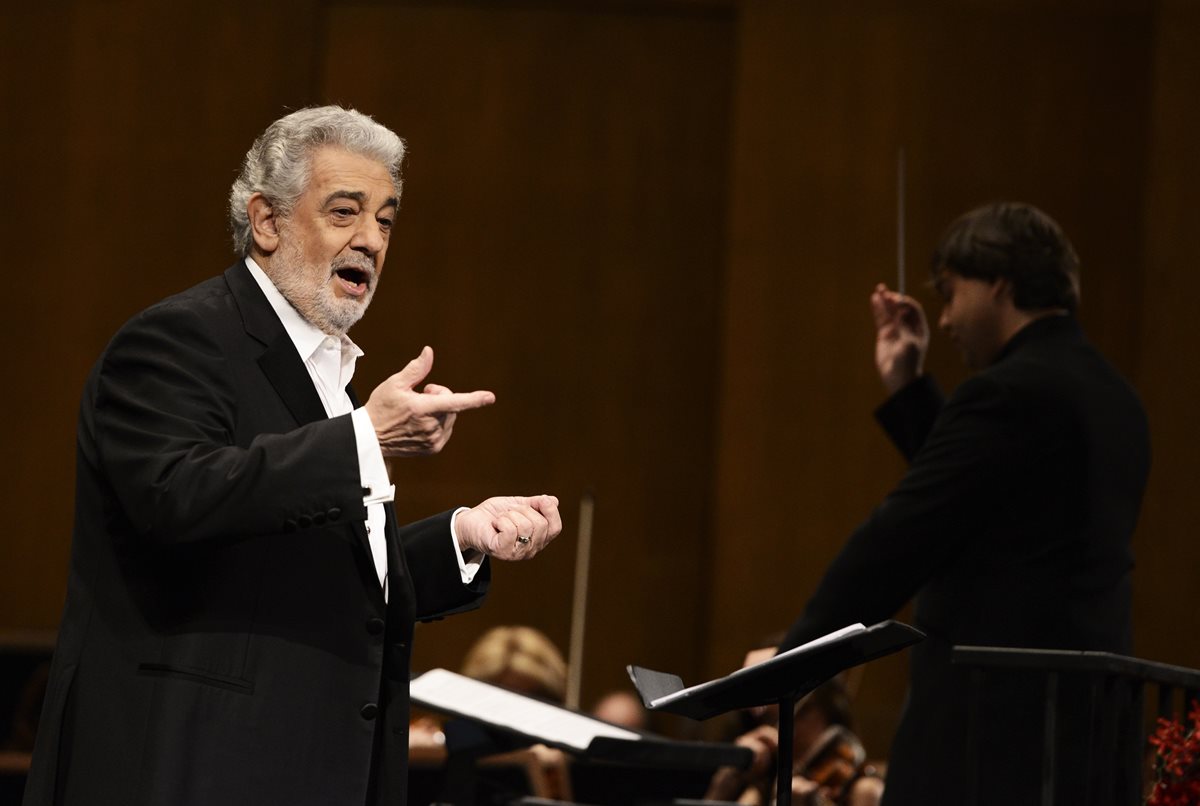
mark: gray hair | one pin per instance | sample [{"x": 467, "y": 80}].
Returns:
[{"x": 279, "y": 162}]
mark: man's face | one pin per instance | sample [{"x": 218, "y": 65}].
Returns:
[
  {"x": 971, "y": 316},
  {"x": 332, "y": 245}
]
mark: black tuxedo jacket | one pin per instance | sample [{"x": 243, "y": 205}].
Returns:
[
  {"x": 1012, "y": 527},
  {"x": 225, "y": 638}
]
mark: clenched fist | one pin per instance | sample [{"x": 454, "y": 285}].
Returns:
[{"x": 510, "y": 527}]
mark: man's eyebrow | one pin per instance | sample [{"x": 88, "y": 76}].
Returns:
[
  {"x": 357, "y": 196},
  {"x": 352, "y": 195}
]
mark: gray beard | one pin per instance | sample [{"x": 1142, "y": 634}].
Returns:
[{"x": 307, "y": 288}]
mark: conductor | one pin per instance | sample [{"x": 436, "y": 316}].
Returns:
[{"x": 1012, "y": 526}]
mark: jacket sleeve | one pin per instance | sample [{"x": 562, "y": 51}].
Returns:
[
  {"x": 160, "y": 424},
  {"x": 436, "y": 578},
  {"x": 909, "y": 414},
  {"x": 958, "y": 479}
]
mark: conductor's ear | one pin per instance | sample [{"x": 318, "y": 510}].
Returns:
[
  {"x": 264, "y": 224},
  {"x": 1002, "y": 288}
]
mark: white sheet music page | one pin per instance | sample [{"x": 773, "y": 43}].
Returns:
[
  {"x": 816, "y": 642},
  {"x": 446, "y": 690},
  {"x": 811, "y": 645}
]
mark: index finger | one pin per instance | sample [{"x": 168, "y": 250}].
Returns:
[
  {"x": 454, "y": 402},
  {"x": 879, "y": 307}
]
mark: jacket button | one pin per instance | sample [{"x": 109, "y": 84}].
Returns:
[
  {"x": 375, "y": 626},
  {"x": 369, "y": 711},
  {"x": 289, "y": 525},
  {"x": 319, "y": 518},
  {"x": 304, "y": 521},
  {"x": 334, "y": 513}
]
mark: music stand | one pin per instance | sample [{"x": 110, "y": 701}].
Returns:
[
  {"x": 782, "y": 680},
  {"x": 504, "y": 720}
]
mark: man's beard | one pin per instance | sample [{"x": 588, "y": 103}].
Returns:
[{"x": 308, "y": 288}]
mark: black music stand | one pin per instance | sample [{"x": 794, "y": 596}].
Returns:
[
  {"x": 782, "y": 680},
  {"x": 503, "y": 720}
]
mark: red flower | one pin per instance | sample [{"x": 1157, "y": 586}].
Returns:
[{"x": 1177, "y": 776}]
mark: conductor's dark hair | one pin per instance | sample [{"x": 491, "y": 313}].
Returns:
[{"x": 1015, "y": 242}]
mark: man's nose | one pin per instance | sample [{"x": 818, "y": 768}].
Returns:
[
  {"x": 368, "y": 237},
  {"x": 944, "y": 319}
]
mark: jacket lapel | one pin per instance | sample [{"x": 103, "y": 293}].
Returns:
[
  {"x": 279, "y": 360},
  {"x": 281, "y": 364}
]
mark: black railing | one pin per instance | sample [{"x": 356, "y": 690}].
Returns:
[{"x": 1106, "y": 690}]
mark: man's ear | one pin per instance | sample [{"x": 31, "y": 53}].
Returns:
[
  {"x": 1002, "y": 288},
  {"x": 264, "y": 224}
]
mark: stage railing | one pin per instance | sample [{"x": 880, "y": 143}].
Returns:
[{"x": 1114, "y": 687}]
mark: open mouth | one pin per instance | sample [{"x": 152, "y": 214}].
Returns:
[{"x": 353, "y": 280}]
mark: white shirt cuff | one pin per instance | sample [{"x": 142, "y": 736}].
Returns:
[
  {"x": 377, "y": 487},
  {"x": 467, "y": 569}
]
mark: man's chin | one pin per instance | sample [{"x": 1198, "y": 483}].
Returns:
[
  {"x": 344, "y": 314},
  {"x": 968, "y": 358}
]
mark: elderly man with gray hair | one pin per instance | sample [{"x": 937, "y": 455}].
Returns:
[{"x": 241, "y": 599}]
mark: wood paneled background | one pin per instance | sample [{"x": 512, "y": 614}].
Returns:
[{"x": 651, "y": 228}]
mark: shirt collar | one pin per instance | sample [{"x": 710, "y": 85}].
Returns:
[
  {"x": 306, "y": 336},
  {"x": 1054, "y": 325}
]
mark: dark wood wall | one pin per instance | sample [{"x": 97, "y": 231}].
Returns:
[{"x": 650, "y": 227}]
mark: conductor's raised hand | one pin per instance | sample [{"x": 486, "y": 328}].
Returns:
[
  {"x": 901, "y": 337},
  {"x": 511, "y": 527},
  {"x": 409, "y": 422}
]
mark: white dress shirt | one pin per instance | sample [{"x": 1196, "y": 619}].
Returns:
[{"x": 330, "y": 362}]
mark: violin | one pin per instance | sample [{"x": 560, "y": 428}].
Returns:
[{"x": 835, "y": 762}]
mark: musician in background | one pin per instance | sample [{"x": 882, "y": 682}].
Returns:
[
  {"x": 520, "y": 659},
  {"x": 829, "y": 763},
  {"x": 517, "y": 658},
  {"x": 621, "y": 708},
  {"x": 1012, "y": 526}
]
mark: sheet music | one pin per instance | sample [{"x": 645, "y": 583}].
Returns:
[
  {"x": 813, "y": 644},
  {"x": 448, "y": 691}
]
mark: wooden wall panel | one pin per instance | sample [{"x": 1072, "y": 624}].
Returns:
[
  {"x": 126, "y": 124},
  {"x": 1168, "y": 551},
  {"x": 36, "y": 476}
]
